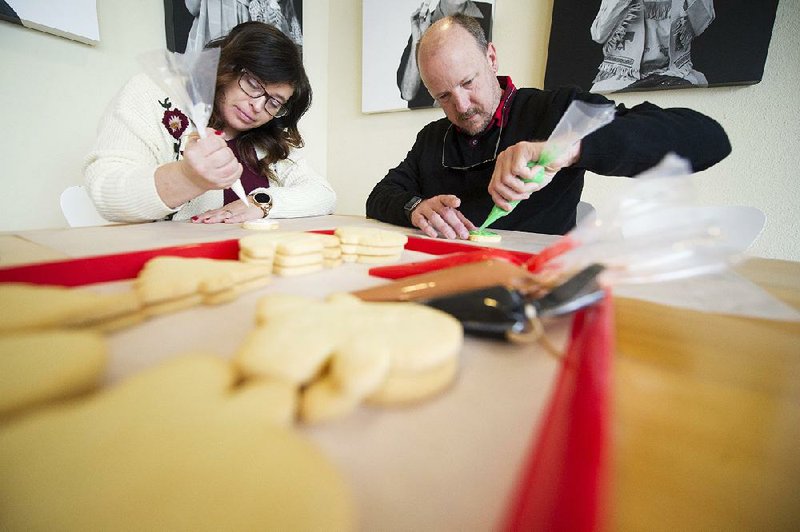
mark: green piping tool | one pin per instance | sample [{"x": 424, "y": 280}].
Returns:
[{"x": 496, "y": 212}]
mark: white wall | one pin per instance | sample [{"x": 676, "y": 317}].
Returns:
[{"x": 53, "y": 92}]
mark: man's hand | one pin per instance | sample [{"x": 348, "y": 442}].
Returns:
[
  {"x": 439, "y": 215},
  {"x": 514, "y": 180}
]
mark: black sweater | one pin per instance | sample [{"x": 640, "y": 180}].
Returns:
[{"x": 636, "y": 140}]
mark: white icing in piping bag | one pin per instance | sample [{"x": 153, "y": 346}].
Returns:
[
  {"x": 199, "y": 110},
  {"x": 239, "y": 190}
]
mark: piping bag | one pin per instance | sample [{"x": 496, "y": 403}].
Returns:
[
  {"x": 579, "y": 120},
  {"x": 657, "y": 242},
  {"x": 191, "y": 79},
  {"x": 657, "y": 231}
]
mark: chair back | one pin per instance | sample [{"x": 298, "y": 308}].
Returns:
[
  {"x": 78, "y": 208},
  {"x": 584, "y": 209}
]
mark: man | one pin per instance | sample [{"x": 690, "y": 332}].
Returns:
[{"x": 492, "y": 130}]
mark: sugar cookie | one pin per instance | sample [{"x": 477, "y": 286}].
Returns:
[
  {"x": 324, "y": 401},
  {"x": 30, "y": 307},
  {"x": 47, "y": 366},
  {"x": 290, "y": 253},
  {"x": 370, "y": 245},
  {"x": 343, "y": 350},
  {"x": 484, "y": 235},
  {"x": 403, "y": 388},
  {"x": 262, "y": 224},
  {"x": 285, "y": 271},
  {"x": 169, "y": 283},
  {"x": 177, "y": 447}
]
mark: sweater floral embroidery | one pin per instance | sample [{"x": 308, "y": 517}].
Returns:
[{"x": 176, "y": 123}]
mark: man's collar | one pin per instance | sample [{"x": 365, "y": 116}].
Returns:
[{"x": 500, "y": 115}]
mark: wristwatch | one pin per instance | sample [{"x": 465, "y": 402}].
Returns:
[
  {"x": 411, "y": 205},
  {"x": 263, "y": 201}
]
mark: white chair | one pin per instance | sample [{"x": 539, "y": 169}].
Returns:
[
  {"x": 584, "y": 209},
  {"x": 79, "y": 209}
]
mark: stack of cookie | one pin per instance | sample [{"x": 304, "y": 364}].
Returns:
[
  {"x": 297, "y": 254},
  {"x": 331, "y": 250},
  {"x": 288, "y": 253},
  {"x": 370, "y": 245},
  {"x": 342, "y": 351}
]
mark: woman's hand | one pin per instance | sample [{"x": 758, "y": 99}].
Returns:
[
  {"x": 209, "y": 163},
  {"x": 232, "y": 213}
]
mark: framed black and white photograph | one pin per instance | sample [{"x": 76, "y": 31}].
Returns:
[
  {"x": 190, "y": 24},
  {"x": 611, "y": 46},
  {"x": 75, "y": 20},
  {"x": 390, "y": 79}
]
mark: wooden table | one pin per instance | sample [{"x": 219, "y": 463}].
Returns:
[{"x": 706, "y": 417}]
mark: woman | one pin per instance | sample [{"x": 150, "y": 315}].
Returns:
[{"x": 148, "y": 165}]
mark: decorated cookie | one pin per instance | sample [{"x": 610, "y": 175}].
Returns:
[{"x": 484, "y": 235}]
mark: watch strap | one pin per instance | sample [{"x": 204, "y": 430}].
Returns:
[{"x": 412, "y": 204}]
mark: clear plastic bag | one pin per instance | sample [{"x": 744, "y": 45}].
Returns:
[
  {"x": 579, "y": 120},
  {"x": 190, "y": 79},
  {"x": 657, "y": 232}
]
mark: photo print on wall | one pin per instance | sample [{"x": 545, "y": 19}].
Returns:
[
  {"x": 389, "y": 78},
  {"x": 75, "y": 20},
  {"x": 190, "y": 24},
  {"x": 611, "y": 46}
]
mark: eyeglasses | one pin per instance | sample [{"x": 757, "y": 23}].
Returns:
[
  {"x": 496, "y": 148},
  {"x": 253, "y": 88}
]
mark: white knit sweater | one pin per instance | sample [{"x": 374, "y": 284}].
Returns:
[{"x": 132, "y": 142}]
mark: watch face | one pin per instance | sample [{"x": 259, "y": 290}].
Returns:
[
  {"x": 413, "y": 202},
  {"x": 262, "y": 197}
]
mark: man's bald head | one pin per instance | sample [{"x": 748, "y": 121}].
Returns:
[
  {"x": 459, "y": 69},
  {"x": 439, "y": 31}
]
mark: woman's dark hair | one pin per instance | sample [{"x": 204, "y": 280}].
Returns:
[{"x": 273, "y": 58}]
